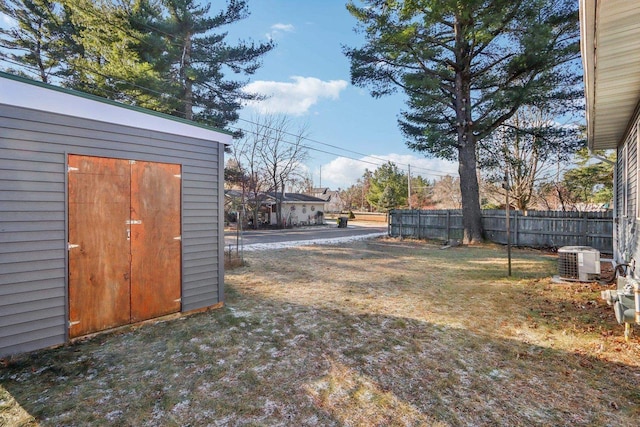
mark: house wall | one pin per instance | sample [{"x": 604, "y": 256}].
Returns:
[
  {"x": 34, "y": 146},
  {"x": 302, "y": 213},
  {"x": 626, "y": 212}
]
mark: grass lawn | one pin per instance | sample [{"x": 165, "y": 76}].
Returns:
[{"x": 379, "y": 332}]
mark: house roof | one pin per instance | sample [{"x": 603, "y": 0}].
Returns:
[
  {"x": 296, "y": 197},
  {"x": 288, "y": 197},
  {"x": 610, "y": 45},
  {"x": 21, "y": 92}
]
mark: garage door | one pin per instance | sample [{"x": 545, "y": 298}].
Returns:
[{"x": 124, "y": 242}]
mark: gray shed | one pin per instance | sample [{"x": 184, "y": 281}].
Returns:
[{"x": 109, "y": 215}]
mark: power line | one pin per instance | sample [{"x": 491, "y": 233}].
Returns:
[
  {"x": 432, "y": 171},
  {"x": 175, "y": 37},
  {"x": 94, "y": 13},
  {"x": 381, "y": 161}
]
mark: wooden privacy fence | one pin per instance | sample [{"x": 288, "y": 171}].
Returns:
[{"x": 533, "y": 228}]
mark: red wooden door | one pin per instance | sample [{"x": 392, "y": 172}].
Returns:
[
  {"x": 99, "y": 267},
  {"x": 124, "y": 242},
  {"x": 155, "y": 240}
]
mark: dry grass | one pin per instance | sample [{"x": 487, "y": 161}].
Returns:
[{"x": 377, "y": 332}]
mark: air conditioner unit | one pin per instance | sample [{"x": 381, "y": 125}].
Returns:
[{"x": 578, "y": 263}]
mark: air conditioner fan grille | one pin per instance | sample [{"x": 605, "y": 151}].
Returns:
[{"x": 568, "y": 265}]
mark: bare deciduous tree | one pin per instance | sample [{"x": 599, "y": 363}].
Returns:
[
  {"x": 271, "y": 155},
  {"x": 282, "y": 153},
  {"x": 524, "y": 151},
  {"x": 446, "y": 193}
]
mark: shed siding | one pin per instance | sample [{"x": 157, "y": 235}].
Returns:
[{"x": 33, "y": 257}]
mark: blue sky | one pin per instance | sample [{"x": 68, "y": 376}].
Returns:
[{"x": 307, "y": 78}]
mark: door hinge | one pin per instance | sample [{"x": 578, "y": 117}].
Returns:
[
  {"x": 71, "y": 169},
  {"x": 132, "y": 162},
  {"x": 178, "y": 175},
  {"x": 71, "y": 246},
  {"x": 177, "y": 238},
  {"x": 73, "y": 323},
  {"x": 133, "y": 221}
]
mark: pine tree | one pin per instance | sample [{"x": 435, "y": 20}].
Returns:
[
  {"x": 195, "y": 58},
  {"x": 390, "y": 179},
  {"x": 102, "y": 57},
  {"x": 466, "y": 67},
  {"x": 34, "y": 43}
]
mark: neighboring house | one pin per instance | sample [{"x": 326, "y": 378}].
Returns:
[
  {"x": 110, "y": 215},
  {"x": 297, "y": 209},
  {"x": 610, "y": 44},
  {"x": 332, "y": 200}
]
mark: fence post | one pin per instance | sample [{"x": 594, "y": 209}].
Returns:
[
  {"x": 584, "y": 228},
  {"x": 418, "y": 224},
  {"x": 448, "y": 225},
  {"x": 516, "y": 230}
]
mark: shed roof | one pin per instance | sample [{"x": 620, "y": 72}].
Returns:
[
  {"x": 610, "y": 45},
  {"x": 27, "y": 93}
]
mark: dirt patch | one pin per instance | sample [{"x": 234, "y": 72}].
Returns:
[{"x": 379, "y": 332}]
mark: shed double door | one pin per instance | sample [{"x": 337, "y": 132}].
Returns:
[{"x": 124, "y": 242}]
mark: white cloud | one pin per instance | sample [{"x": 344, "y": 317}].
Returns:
[
  {"x": 278, "y": 29},
  {"x": 293, "y": 98},
  {"x": 342, "y": 172}
]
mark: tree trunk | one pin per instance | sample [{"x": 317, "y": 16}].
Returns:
[
  {"x": 467, "y": 161},
  {"x": 469, "y": 189},
  {"x": 186, "y": 80}
]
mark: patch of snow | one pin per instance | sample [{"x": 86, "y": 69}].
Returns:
[
  {"x": 224, "y": 421},
  {"x": 105, "y": 398},
  {"x": 113, "y": 415},
  {"x": 261, "y": 368},
  {"x": 270, "y": 407},
  {"x": 238, "y": 313},
  {"x": 497, "y": 374},
  {"x": 200, "y": 369},
  {"x": 296, "y": 339},
  {"x": 294, "y": 244},
  {"x": 181, "y": 406},
  {"x": 157, "y": 412},
  {"x": 313, "y": 421}
]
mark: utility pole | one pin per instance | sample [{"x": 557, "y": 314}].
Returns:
[{"x": 409, "y": 186}]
